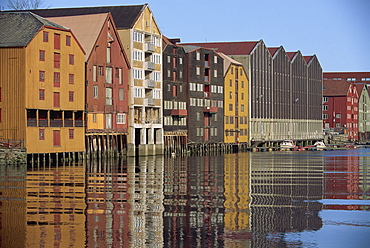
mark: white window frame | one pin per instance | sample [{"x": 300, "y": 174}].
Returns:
[{"x": 121, "y": 118}]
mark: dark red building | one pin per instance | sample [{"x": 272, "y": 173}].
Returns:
[{"x": 340, "y": 107}]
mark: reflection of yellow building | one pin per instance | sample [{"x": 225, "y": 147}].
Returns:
[
  {"x": 236, "y": 185},
  {"x": 56, "y": 207},
  {"x": 236, "y": 107}
]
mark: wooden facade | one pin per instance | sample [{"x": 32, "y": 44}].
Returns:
[
  {"x": 205, "y": 95},
  {"x": 107, "y": 72},
  {"x": 42, "y": 87},
  {"x": 236, "y": 102},
  {"x": 340, "y": 107}
]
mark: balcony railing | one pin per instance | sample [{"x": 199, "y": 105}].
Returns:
[
  {"x": 211, "y": 110},
  {"x": 149, "y": 66},
  {"x": 149, "y": 47},
  {"x": 149, "y": 83}
]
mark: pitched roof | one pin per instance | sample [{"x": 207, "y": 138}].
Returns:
[
  {"x": 229, "y": 48},
  {"x": 124, "y": 16},
  {"x": 273, "y": 50},
  {"x": 228, "y": 61},
  {"x": 335, "y": 87},
  {"x": 86, "y": 28},
  {"x": 307, "y": 58},
  {"x": 291, "y": 55},
  {"x": 18, "y": 28}
]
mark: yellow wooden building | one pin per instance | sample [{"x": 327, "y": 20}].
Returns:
[
  {"x": 236, "y": 107},
  {"x": 41, "y": 85}
]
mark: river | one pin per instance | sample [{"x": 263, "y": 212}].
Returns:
[{"x": 252, "y": 199}]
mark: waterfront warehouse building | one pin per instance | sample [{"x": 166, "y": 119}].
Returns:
[
  {"x": 285, "y": 95},
  {"x": 42, "y": 84},
  {"x": 142, "y": 41},
  {"x": 107, "y": 71}
]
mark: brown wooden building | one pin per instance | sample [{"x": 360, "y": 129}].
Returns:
[{"x": 107, "y": 73}]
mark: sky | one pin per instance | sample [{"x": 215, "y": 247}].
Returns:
[{"x": 336, "y": 31}]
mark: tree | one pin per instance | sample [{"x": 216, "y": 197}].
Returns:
[{"x": 24, "y": 4}]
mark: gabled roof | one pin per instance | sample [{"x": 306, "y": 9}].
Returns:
[
  {"x": 307, "y": 58},
  {"x": 19, "y": 28},
  {"x": 86, "y": 28},
  {"x": 124, "y": 16},
  {"x": 273, "y": 50},
  {"x": 229, "y": 48},
  {"x": 228, "y": 61},
  {"x": 291, "y": 55},
  {"x": 335, "y": 87}
]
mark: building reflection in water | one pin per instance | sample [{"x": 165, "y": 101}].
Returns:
[
  {"x": 55, "y": 206},
  {"x": 285, "y": 194},
  {"x": 194, "y": 197},
  {"x": 237, "y": 231},
  {"x": 347, "y": 178},
  {"x": 125, "y": 203}
]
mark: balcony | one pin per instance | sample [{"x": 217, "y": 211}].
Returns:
[
  {"x": 149, "y": 47},
  {"x": 179, "y": 112},
  {"x": 149, "y": 83},
  {"x": 149, "y": 66},
  {"x": 211, "y": 110},
  {"x": 149, "y": 102}
]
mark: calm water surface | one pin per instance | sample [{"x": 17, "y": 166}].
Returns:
[{"x": 273, "y": 199}]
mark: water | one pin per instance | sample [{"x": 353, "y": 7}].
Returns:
[{"x": 262, "y": 199}]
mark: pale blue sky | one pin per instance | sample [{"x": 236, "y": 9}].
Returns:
[{"x": 337, "y": 31}]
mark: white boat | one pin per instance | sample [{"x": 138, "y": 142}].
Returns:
[
  {"x": 319, "y": 145},
  {"x": 287, "y": 144}
]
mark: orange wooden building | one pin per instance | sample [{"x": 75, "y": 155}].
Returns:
[{"x": 42, "y": 92}]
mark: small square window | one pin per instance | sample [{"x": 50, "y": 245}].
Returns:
[
  {"x": 41, "y": 94},
  {"x": 71, "y": 134},
  {"x": 71, "y": 59},
  {"x": 42, "y": 55},
  {"x": 71, "y": 96},
  {"x": 42, "y": 76},
  {"x": 68, "y": 40},
  {"x": 41, "y": 134}
]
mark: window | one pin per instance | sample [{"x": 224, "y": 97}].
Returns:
[
  {"x": 121, "y": 118},
  {"x": 198, "y": 116},
  {"x": 71, "y": 133},
  {"x": 231, "y": 82},
  {"x": 231, "y": 95},
  {"x": 242, "y": 107},
  {"x": 57, "y": 41},
  {"x": 242, "y": 84},
  {"x": 42, "y": 55},
  {"x": 119, "y": 72},
  {"x": 109, "y": 75},
  {"x": 56, "y": 60},
  {"x": 168, "y": 59},
  {"x": 215, "y": 59},
  {"x": 45, "y": 36},
  {"x": 56, "y": 99},
  {"x": 325, "y": 107},
  {"x": 338, "y": 125},
  {"x": 71, "y": 59},
  {"x": 109, "y": 96},
  {"x": 108, "y": 55},
  {"x": 100, "y": 71},
  {"x": 138, "y": 55},
  {"x": 198, "y": 70},
  {"x": 41, "y": 134},
  {"x": 41, "y": 76},
  {"x": 71, "y": 96},
  {"x": 156, "y": 58},
  {"x": 230, "y": 107},
  {"x": 338, "y": 116},
  {"x": 138, "y": 92},
  {"x": 325, "y": 99},
  {"x": 215, "y": 73},
  {"x": 56, "y": 79},
  {"x": 156, "y": 76},
  {"x": 138, "y": 74},
  {"x": 242, "y": 96},
  {"x": 94, "y": 118},
  {"x": 41, "y": 94},
  {"x": 95, "y": 91},
  {"x": 68, "y": 40},
  {"x": 197, "y": 55},
  {"x": 71, "y": 78},
  {"x": 174, "y": 90},
  {"x": 325, "y": 116},
  {"x": 94, "y": 73},
  {"x": 120, "y": 91},
  {"x": 180, "y": 61},
  {"x": 220, "y": 89},
  {"x": 138, "y": 37}
]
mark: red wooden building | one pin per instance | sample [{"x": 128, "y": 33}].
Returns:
[{"x": 340, "y": 107}]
